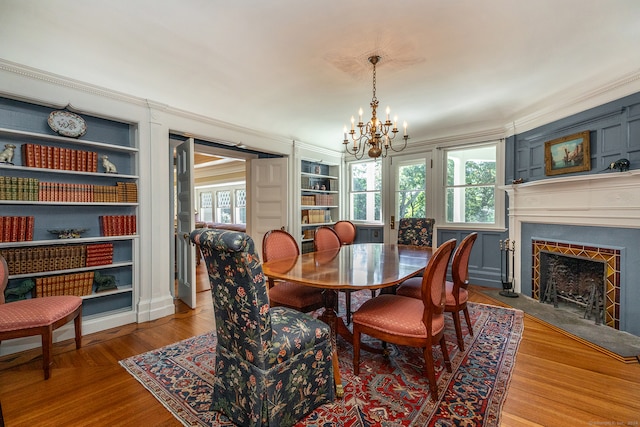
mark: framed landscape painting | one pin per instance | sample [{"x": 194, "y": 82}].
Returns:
[{"x": 567, "y": 154}]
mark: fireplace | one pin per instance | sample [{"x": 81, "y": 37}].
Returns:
[
  {"x": 593, "y": 216},
  {"x": 582, "y": 276}
]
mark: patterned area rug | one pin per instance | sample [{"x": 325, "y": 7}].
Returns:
[{"x": 389, "y": 391}]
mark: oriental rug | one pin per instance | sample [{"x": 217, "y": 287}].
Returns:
[{"x": 390, "y": 391}]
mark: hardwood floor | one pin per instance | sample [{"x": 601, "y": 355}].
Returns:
[{"x": 557, "y": 381}]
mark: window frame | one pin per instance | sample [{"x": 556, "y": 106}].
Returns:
[
  {"x": 499, "y": 193},
  {"x": 350, "y": 192}
]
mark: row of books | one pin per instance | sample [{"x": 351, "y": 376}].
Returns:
[
  {"x": 57, "y": 257},
  {"x": 68, "y": 284},
  {"x": 44, "y": 156},
  {"x": 118, "y": 225},
  {"x": 38, "y": 259},
  {"x": 16, "y": 228},
  {"x": 127, "y": 192},
  {"x": 318, "y": 199},
  {"x": 18, "y": 188},
  {"x": 31, "y": 189},
  {"x": 99, "y": 254},
  {"x": 315, "y": 216}
]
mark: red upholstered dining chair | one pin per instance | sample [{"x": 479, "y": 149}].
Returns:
[
  {"x": 325, "y": 238},
  {"x": 38, "y": 316},
  {"x": 346, "y": 231},
  {"x": 403, "y": 320},
  {"x": 278, "y": 244},
  {"x": 457, "y": 293}
]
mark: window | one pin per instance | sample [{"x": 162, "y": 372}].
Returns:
[
  {"x": 206, "y": 206},
  {"x": 241, "y": 206},
  {"x": 471, "y": 184},
  {"x": 223, "y": 208},
  {"x": 365, "y": 197},
  {"x": 224, "y": 203},
  {"x": 411, "y": 186}
]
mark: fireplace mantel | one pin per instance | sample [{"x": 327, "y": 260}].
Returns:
[{"x": 608, "y": 199}]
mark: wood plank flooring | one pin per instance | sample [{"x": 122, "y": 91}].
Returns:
[{"x": 557, "y": 381}]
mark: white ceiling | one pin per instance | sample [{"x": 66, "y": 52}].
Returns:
[{"x": 298, "y": 69}]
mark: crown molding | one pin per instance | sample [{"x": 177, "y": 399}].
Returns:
[{"x": 626, "y": 85}]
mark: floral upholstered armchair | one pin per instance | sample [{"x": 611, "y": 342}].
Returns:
[
  {"x": 273, "y": 364},
  {"x": 416, "y": 231}
]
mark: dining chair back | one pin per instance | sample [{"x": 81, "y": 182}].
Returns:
[
  {"x": 38, "y": 316},
  {"x": 416, "y": 231},
  {"x": 346, "y": 231},
  {"x": 325, "y": 238},
  {"x": 261, "y": 378},
  {"x": 279, "y": 244},
  {"x": 410, "y": 321},
  {"x": 457, "y": 293}
]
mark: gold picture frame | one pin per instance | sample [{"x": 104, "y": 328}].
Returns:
[{"x": 567, "y": 154}]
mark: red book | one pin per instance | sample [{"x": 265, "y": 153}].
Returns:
[
  {"x": 66, "y": 156},
  {"x": 37, "y": 156},
  {"x": 56, "y": 158},
  {"x": 15, "y": 224},
  {"x": 30, "y": 224},
  {"x": 85, "y": 161},
  {"x": 22, "y": 228},
  {"x": 2, "y": 229},
  {"x": 74, "y": 159},
  {"x": 49, "y": 151}
]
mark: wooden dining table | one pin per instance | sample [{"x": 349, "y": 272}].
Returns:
[{"x": 351, "y": 267}]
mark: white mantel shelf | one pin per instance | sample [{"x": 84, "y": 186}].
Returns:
[{"x": 608, "y": 199}]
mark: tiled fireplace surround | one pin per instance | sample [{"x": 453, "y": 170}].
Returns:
[{"x": 585, "y": 214}]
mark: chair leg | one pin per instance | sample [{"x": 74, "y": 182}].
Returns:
[
  {"x": 468, "y": 319},
  {"x": 47, "y": 354},
  {"x": 431, "y": 372},
  {"x": 456, "y": 322},
  {"x": 77, "y": 323},
  {"x": 445, "y": 353},
  {"x": 356, "y": 351},
  {"x": 347, "y": 304}
]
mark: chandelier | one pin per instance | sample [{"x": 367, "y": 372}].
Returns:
[{"x": 374, "y": 137}]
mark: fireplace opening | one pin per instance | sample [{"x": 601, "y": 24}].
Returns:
[
  {"x": 575, "y": 282},
  {"x": 586, "y": 280}
]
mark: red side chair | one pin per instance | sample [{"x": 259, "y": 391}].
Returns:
[
  {"x": 38, "y": 316},
  {"x": 346, "y": 231},
  {"x": 278, "y": 244},
  {"x": 457, "y": 293},
  {"x": 409, "y": 321},
  {"x": 325, "y": 238}
]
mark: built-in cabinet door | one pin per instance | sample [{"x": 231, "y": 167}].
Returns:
[
  {"x": 185, "y": 252},
  {"x": 269, "y": 195}
]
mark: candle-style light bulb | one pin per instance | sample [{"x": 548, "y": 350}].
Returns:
[
  {"x": 360, "y": 115},
  {"x": 405, "y": 128},
  {"x": 388, "y": 111},
  {"x": 395, "y": 122},
  {"x": 353, "y": 120},
  {"x": 345, "y": 132}
]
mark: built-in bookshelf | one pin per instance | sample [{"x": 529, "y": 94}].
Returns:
[
  {"x": 319, "y": 192},
  {"x": 69, "y": 216}
]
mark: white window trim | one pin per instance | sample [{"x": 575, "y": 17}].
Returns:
[{"x": 440, "y": 188}]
